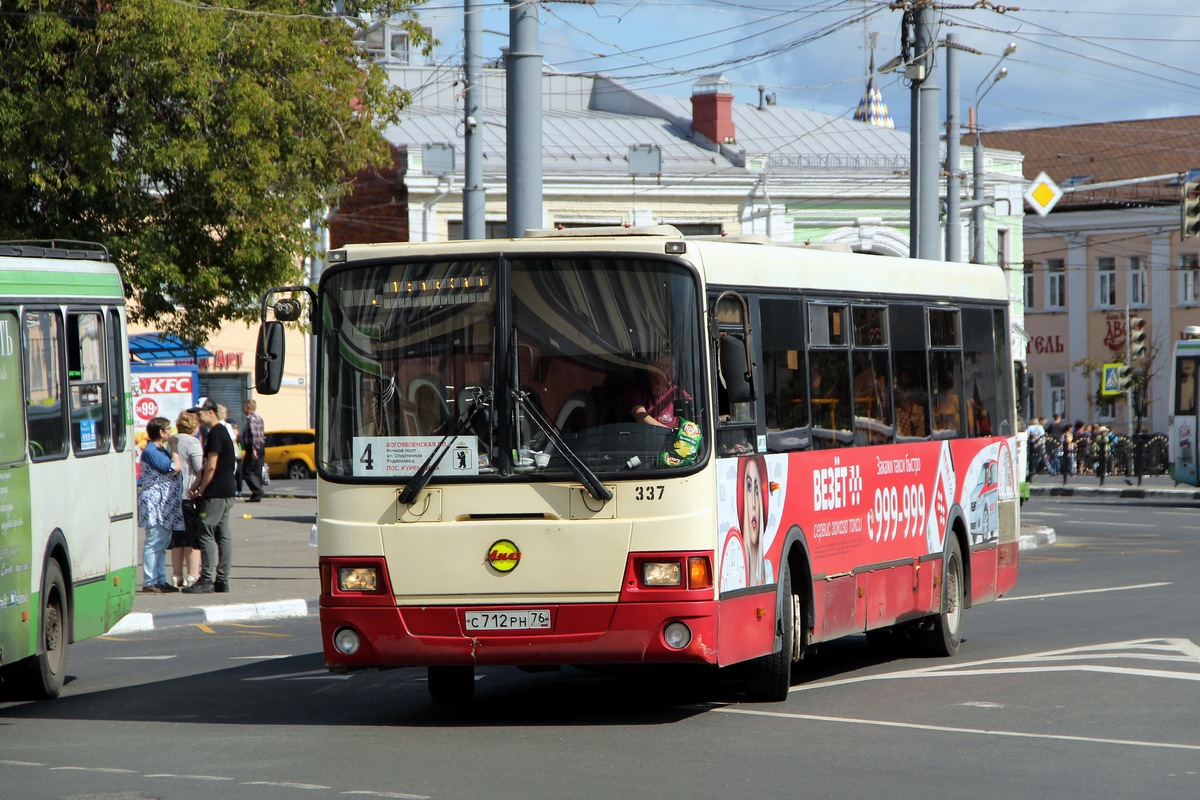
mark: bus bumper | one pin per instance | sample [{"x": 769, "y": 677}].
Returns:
[{"x": 610, "y": 633}]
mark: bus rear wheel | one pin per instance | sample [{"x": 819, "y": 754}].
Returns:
[
  {"x": 769, "y": 677},
  {"x": 41, "y": 676},
  {"x": 942, "y": 637},
  {"x": 451, "y": 686}
]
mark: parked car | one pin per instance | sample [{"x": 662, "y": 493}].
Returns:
[{"x": 291, "y": 454}]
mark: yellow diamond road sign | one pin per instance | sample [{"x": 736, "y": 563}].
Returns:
[{"x": 1042, "y": 194}]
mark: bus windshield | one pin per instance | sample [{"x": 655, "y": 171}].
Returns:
[{"x": 530, "y": 366}]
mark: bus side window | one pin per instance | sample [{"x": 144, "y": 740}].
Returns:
[
  {"x": 44, "y": 390},
  {"x": 118, "y": 387},
  {"x": 830, "y": 387},
  {"x": 87, "y": 377},
  {"x": 945, "y": 372},
  {"x": 784, "y": 375},
  {"x": 12, "y": 434},
  {"x": 906, "y": 324}
]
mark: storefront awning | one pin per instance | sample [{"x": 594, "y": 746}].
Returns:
[{"x": 148, "y": 348}]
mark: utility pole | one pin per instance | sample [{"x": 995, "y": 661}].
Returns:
[
  {"x": 474, "y": 201},
  {"x": 523, "y": 138},
  {"x": 924, "y": 184},
  {"x": 953, "y": 163}
]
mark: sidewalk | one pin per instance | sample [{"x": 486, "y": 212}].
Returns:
[
  {"x": 274, "y": 572},
  {"x": 1157, "y": 487}
]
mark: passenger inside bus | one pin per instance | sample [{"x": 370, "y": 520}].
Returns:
[
  {"x": 653, "y": 402},
  {"x": 947, "y": 416},
  {"x": 910, "y": 402}
]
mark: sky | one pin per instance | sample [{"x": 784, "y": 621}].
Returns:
[{"x": 1077, "y": 61}]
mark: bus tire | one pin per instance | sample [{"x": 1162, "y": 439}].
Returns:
[
  {"x": 943, "y": 636},
  {"x": 769, "y": 677},
  {"x": 41, "y": 676},
  {"x": 451, "y": 686}
]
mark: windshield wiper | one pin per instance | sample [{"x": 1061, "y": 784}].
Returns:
[
  {"x": 421, "y": 477},
  {"x": 582, "y": 471}
]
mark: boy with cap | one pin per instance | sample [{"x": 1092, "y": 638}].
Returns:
[{"x": 215, "y": 489}]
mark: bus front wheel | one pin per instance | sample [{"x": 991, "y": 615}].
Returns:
[
  {"x": 451, "y": 686},
  {"x": 41, "y": 676},
  {"x": 769, "y": 677}
]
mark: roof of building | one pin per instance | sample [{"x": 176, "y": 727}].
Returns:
[
  {"x": 590, "y": 121},
  {"x": 1075, "y": 156}
]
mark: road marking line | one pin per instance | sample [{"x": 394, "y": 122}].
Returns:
[
  {"x": 139, "y": 658},
  {"x": 93, "y": 769},
  {"x": 259, "y": 658},
  {"x": 396, "y": 795},
  {"x": 948, "y": 729},
  {"x": 21, "y": 764},
  {"x": 307, "y": 786},
  {"x": 1085, "y": 591},
  {"x": 188, "y": 777}
]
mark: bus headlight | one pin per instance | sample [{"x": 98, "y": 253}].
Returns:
[
  {"x": 662, "y": 573},
  {"x": 677, "y": 635},
  {"x": 357, "y": 579},
  {"x": 346, "y": 641}
]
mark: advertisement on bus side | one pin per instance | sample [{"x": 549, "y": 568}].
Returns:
[{"x": 857, "y": 506}]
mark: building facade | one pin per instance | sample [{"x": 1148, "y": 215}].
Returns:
[{"x": 1108, "y": 252}]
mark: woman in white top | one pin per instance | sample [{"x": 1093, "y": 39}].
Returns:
[{"x": 184, "y": 550}]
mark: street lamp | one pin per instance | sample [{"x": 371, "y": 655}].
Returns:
[{"x": 978, "y": 240}]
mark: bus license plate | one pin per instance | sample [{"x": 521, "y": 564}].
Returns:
[{"x": 524, "y": 619}]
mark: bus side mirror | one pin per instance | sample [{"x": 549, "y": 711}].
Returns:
[
  {"x": 735, "y": 369},
  {"x": 268, "y": 358}
]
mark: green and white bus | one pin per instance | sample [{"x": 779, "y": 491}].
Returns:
[{"x": 68, "y": 508}]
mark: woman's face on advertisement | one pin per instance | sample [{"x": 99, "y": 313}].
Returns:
[{"x": 752, "y": 505}]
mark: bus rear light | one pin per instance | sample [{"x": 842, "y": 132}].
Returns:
[
  {"x": 346, "y": 641},
  {"x": 357, "y": 579},
  {"x": 677, "y": 635},
  {"x": 662, "y": 573},
  {"x": 699, "y": 573}
]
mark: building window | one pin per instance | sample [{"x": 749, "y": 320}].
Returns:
[
  {"x": 1029, "y": 278},
  {"x": 1189, "y": 267},
  {"x": 1056, "y": 283},
  {"x": 492, "y": 229},
  {"x": 1106, "y": 284},
  {"x": 1137, "y": 281},
  {"x": 1056, "y": 388}
]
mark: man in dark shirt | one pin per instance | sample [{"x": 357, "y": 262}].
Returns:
[
  {"x": 1058, "y": 427},
  {"x": 215, "y": 488}
]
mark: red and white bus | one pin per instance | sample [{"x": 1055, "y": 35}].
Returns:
[{"x": 492, "y": 492}]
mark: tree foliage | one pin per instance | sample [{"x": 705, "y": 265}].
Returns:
[{"x": 196, "y": 141}]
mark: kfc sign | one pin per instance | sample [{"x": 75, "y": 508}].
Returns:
[
  {"x": 162, "y": 392},
  {"x": 165, "y": 384}
]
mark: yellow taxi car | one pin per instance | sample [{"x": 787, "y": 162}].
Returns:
[{"x": 291, "y": 454}]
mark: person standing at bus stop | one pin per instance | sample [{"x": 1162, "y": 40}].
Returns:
[
  {"x": 159, "y": 504},
  {"x": 254, "y": 442},
  {"x": 214, "y": 486}
]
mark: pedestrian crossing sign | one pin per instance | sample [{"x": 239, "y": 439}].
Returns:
[{"x": 1111, "y": 379}]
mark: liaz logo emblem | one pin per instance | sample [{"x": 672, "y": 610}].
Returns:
[{"x": 504, "y": 556}]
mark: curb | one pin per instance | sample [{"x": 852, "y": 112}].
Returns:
[
  {"x": 1115, "y": 491},
  {"x": 139, "y": 621},
  {"x": 1033, "y": 538}
]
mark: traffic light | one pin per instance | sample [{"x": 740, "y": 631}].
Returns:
[
  {"x": 1124, "y": 378},
  {"x": 1137, "y": 338},
  {"x": 1189, "y": 224}
]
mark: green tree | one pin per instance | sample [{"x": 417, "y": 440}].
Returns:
[{"x": 196, "y": 141}]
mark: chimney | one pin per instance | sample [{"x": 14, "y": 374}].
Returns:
[{"x": 712, "y": 109}]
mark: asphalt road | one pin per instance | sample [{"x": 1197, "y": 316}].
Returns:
[{"x": 1081, "y": 684}]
